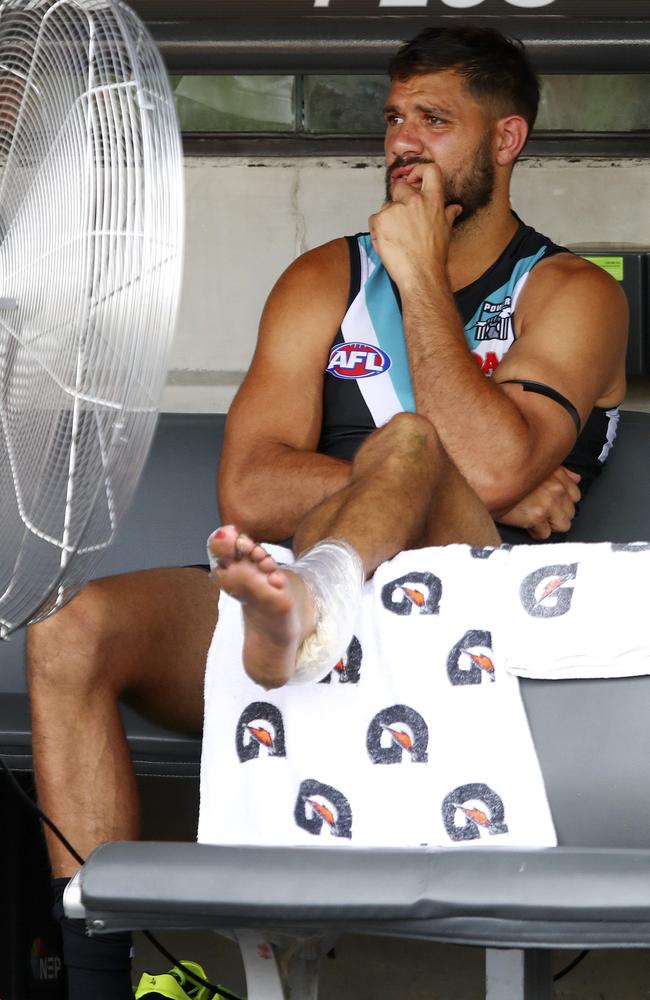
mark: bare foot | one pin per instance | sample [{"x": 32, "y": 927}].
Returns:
[{"x": 277, "y": 606}]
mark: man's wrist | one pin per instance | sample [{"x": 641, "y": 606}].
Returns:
[{"x": 425, "y": 285}]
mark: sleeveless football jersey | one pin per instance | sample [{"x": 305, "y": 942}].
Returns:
[{"x": 367, "y": 380}]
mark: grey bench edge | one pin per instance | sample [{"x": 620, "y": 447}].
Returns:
[
  {"x": 486, "y": 932},
  {"x": 222, "y": 887}
]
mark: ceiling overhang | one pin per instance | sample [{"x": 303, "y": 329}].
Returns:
[{"x": 331, "y": 36}]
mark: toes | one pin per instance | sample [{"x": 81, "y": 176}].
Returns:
[
  {"x": 277, "y": 578},
  {"x": 248, "y": 549},
  {"x": 229, "y": 545},
  {"x": 257, "y": 555},
  {"x": 222, "y": 543},
  {"x": 231, "y": 548},
  {"x": 243, "y": 546}
]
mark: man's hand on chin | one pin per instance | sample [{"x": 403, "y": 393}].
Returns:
[{"x": 412, "y": 233}]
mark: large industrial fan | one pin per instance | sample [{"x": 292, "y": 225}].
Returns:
[{"x": 91, "y": 226}]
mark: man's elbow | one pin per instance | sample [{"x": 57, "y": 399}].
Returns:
[
  {"x": 241, "y": 504},
  {"x": 500, "y": 489},
  {"x": 235, "y": 506}
]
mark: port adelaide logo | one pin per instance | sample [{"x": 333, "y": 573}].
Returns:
[
  {"x": 495, "y": 322},
  {"x": 356, "y": 360}
]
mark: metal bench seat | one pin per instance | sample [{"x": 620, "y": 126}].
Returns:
[
  {"x": 288, "y": 906},
  {"x": 561, "y": 897}
]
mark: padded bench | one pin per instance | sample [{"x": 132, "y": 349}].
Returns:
[{"x": 593, "y": 743}]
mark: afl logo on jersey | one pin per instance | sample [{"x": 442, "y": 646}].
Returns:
[{"x": 357, "y": 361}]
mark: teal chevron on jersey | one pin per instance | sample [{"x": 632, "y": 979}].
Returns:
[{"x": 386, "y": 318}]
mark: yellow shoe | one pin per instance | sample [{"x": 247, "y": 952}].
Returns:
[{"x": 175, "y": 985}]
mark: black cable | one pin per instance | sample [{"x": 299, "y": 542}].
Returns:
[
  {"x": 220, "y": 990},
  {"x": 571, "y": 966},
  {"x": 39, "y": 812}
]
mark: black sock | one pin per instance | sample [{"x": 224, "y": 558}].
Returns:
[{"x": 98, "y": 966}]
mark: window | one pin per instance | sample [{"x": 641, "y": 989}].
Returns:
[
  {"x": 347, "y": 104},
  {"x": 585, "y": 114},
  {"x": 595, "y": 103},
  {"x": 235, "y": 103}
]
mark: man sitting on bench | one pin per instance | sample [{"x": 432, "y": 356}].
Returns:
[{"x": 395, "y": 330}]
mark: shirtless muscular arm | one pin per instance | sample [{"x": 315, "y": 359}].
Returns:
[
  {"x": 571, "y": 329},
  {"x": 270, "y": 474}
]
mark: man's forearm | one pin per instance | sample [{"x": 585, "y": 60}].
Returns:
[
  {"x": 269, "y": 495},
  {"x": 467, "y": 410}
]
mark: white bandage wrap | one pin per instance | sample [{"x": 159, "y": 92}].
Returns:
[{"x": 333, "y": 571}]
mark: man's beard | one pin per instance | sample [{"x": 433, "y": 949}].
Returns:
[{"x": 472, "y": 188}]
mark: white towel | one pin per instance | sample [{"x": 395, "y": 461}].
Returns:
[
  {"x": 418, "y": 737},
  {"x": 576, "y": 610}
]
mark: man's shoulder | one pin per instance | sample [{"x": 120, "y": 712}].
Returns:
[
  {"x": 570, "y": 274},
  {"x": 559, "y": 267},
  {"x": 317, "y": 282},
  {"x": 578, "y": 311},
  {"x": 319, "y": 266},
  {"x": 327, "y": 259},
  {"x": 341, "y": 250}
]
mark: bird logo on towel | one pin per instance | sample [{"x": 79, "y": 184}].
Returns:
[
  {"x": 398, "y": 733},
  {"x": 322, "y": 809},
  {"x": 473, "y": 811},
  {"x": 471, "y": 660},
  {"x": 545, "y": 594},
  {"x": 260, "y": 729},
  {"x": 416, "y": 597},
  {"x": 348, "y": 669},
  {"x": 402, "y": 737},
  {"x": 263, "y": 736},
  {"x": 419, "y": 592},
  {"x": 477, "y": 816}
]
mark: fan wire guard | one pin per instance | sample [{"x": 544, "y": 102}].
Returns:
[{"x": 91, "y": 231}]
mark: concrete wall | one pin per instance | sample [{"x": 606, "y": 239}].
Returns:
[{"x": 248, "y": 218}]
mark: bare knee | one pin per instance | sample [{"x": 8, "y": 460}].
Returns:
[
  {"x": 71, "y": 648},
  {"x": 410, "y": 427},
  {"x": 406, "y": 438}
]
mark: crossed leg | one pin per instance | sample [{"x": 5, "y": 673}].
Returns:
[{"x": 403, "y": 493}]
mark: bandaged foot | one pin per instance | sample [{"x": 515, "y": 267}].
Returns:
[{"x": 297, "y": 621}]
